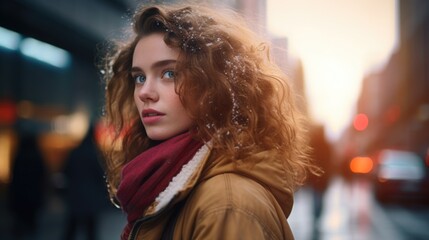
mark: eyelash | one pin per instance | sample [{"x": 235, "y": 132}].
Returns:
[
  {"x": 137, "y": 77},
  {"x": 169, "y": 71}
]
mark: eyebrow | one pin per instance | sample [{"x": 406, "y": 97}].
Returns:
[{"x": 158, "y": 64}]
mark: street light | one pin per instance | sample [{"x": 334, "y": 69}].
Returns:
[{"x": 360, "y": 122}]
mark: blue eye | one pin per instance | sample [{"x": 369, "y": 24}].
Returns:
[
  {"x": 139, "y": 79},
  {"x": 168, "y": 74}
]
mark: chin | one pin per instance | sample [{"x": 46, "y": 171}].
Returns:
[{"x": 159, "y": 136}]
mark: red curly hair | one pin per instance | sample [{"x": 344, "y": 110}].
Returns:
[{"x": 238, "y": 98}]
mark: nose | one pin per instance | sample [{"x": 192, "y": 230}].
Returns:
[{"x": 148, "y": 91}]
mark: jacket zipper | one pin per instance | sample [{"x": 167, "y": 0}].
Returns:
[{"x": 139, "y": 222}]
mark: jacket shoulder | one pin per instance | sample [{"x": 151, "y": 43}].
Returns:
[
  {"x": 230, "y": 203},
  {"x": 232, "y": 190}
]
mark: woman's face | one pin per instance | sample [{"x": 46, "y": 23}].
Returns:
[{"x": 160, "y": 108}]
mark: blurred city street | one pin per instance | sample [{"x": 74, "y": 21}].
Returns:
[
  {"x": 361, "y": 77},
  {"x": 350, "y": 212}
]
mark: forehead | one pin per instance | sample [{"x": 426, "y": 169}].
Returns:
[{"x": 152, "y": 48}]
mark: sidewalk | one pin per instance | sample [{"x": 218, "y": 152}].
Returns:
[{"x": 344, "y": 216}]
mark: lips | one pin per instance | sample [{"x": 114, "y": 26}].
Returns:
[{"x": 151, "y": 116}]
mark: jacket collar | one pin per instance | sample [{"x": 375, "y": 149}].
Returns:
[{"x": 264, "y": 168}]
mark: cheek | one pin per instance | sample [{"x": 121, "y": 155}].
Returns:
[
  {"x": 175, "y": 101},
  {"x": 136, "y": 96},
  {"x": 177, "y": 105},
  {"x": 138, "y": 104}
]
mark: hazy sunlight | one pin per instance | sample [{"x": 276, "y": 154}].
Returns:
[{"x": 338, "y": 41}]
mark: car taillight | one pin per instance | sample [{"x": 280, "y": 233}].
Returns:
[{"x": 361, "y": 165}]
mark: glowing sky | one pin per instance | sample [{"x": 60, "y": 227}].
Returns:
[{"x": 338, "y": 41}]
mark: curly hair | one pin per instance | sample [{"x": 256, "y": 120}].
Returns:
[{"x": 236, "y": 95}]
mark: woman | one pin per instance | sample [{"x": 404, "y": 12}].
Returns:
[{"x": 211, "y": 143}]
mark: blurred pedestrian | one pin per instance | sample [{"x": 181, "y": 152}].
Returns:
[
  {"x": 86, "y": 196},
  {"x": 27, "y": 186},
  {"x": 211, "y": 141},
  {"x": 321, "y": 154}
]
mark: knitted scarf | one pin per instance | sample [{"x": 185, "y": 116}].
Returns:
[{"x": 149, "y": 173}]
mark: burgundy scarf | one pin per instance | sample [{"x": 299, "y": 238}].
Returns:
[{"x": 148, "y": 174}]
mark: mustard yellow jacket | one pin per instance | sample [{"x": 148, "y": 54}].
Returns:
[{"x": 223, "y": 200}]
